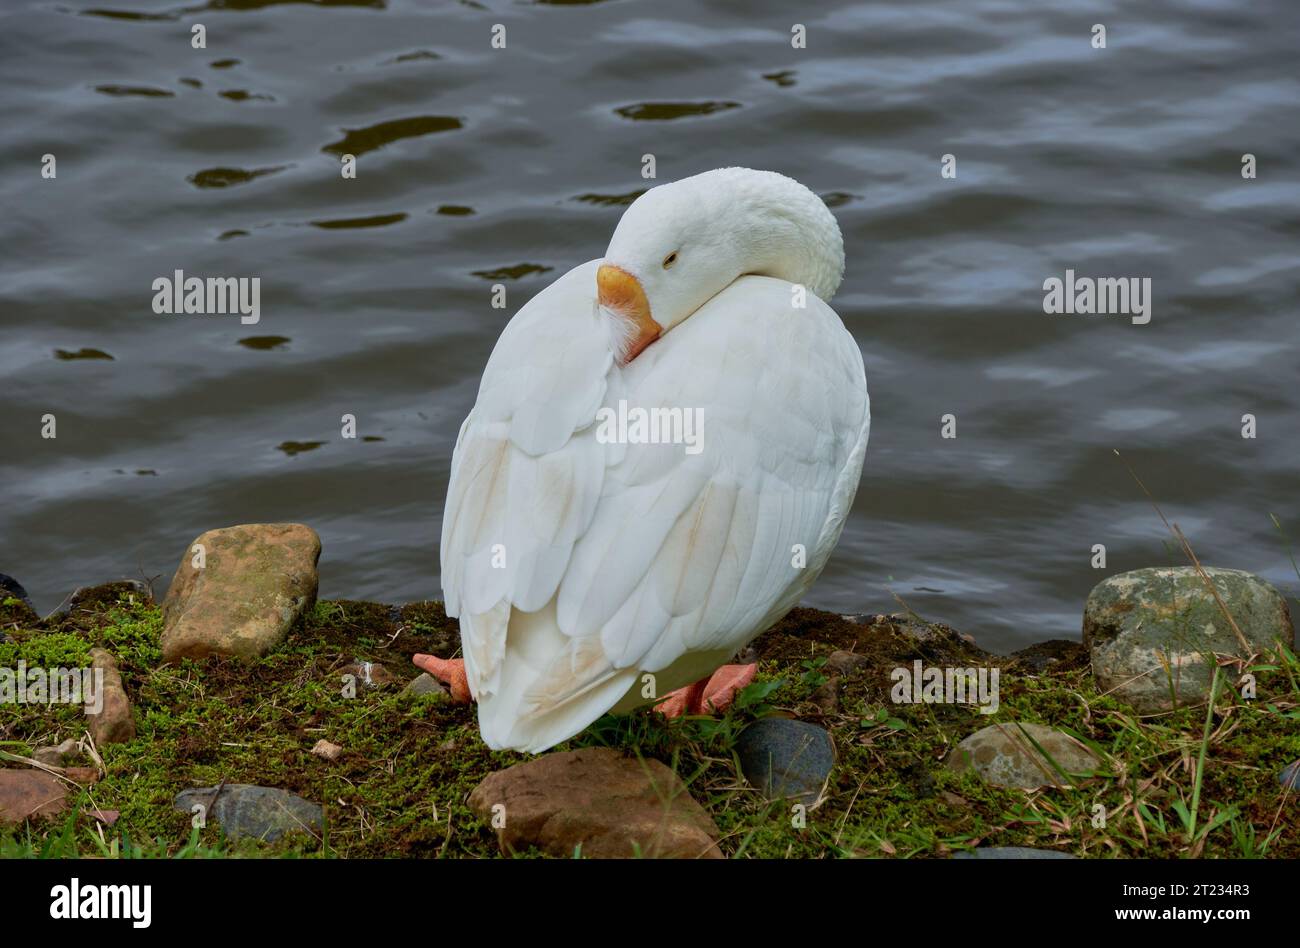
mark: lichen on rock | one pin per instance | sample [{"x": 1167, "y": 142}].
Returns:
[{"x": 1152, "y": 634}]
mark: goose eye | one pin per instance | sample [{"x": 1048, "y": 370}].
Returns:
[{"x": 670, "y": 259}]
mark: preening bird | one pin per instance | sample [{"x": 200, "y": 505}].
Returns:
[{"x": 596, "y": 558}]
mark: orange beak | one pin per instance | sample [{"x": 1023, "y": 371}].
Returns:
[{"x": 620, "y": 292}]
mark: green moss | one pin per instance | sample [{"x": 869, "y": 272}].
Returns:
[
  {"x": 14, "y": 613},
  {"x": 53, "y": 650},
  {"x": 408, "y": 764}
]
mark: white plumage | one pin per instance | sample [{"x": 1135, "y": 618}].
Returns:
[{"x": 577, "y": 566}]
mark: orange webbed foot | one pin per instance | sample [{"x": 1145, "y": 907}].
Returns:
[
  {"x": 708, "y": 695},
  {"x": 449, "y": 671}
]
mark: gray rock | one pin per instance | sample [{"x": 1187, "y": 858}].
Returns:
[
  {"x": 246, "y": 810},
  {"x": 786, "y": 758},
  {"x": 426, "y": 684},
  {"x": 1290, "y": 776},
  {"x": 1151, "y": 633},
  {"x": 57, "y": 756},
  {"x": 1003, "y": 756},
  {"x": 1012, "y": 852},
  {"x": 49, "y": 756}
]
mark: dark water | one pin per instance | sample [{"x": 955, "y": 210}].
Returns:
[{"x": 1120, "y": 162}]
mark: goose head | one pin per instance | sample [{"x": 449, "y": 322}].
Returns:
[{"x": 680, "y": 244}]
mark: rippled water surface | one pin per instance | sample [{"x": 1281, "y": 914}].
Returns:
[{"x": 479, "y": 166}]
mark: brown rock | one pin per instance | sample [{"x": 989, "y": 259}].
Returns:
[
  {"x": 29, "y": 793},
  {"x": 113, "y": 724},
  {"x": 255, "y": 581},
  {"x": 846, "y": 663},
  {"x": 610, "y": 805},
  {"x": 82, "y": 775},
  {"x": 827, "y": 697}
]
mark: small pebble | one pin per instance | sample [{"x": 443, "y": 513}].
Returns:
[
  {"x": 425, "y": 684},
  {"x": 827, "y": 697},
  {"x": 82, "y": 775},
  {"x": 370, "y": 674},
  {"x": 327, "y": 750},
  {"x": 57, "y": 756},
  {"x": 846, "y": 663}
]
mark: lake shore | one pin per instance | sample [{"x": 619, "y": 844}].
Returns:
[{"x": 331, "y": 717}]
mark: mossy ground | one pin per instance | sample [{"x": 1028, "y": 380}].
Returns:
[{"x": 409, "y": 763}]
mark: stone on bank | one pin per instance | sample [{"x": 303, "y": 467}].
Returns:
[
  {"x": 786, "y": 758},
  {"x": 239, "y": 590},
  {"x": 113, "y": 723},
  {"x": 25, "y": 794},
  {"x": 1152, "y": 633},
  {"x": 598, "y": 803},
  {"x": 1027, "y": 756},
  {"x": 265, "y": 813}
]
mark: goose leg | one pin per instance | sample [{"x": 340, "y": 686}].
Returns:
[
  {"x": 449, "y": 671},
  {"x": 708, "y": 695},
  {"x": 683, "y": 701}
]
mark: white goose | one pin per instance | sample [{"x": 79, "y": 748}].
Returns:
[{"x": 577, "y": 564}]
